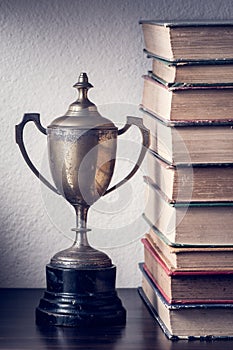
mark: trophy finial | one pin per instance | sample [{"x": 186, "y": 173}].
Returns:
[
  {"x": 82, "y": 102},
  {"x": 83, "y": 82}
]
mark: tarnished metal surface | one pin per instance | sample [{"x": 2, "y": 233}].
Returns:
[{"x": 82, "y": 162}]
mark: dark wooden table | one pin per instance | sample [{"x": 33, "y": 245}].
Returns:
[{"x": 18, "y": 330}]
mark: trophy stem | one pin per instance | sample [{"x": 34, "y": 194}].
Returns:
[
  {"x": 81, "y": 216},
  {"x": 81, "y": 254},
  {"x": 81, "y": 226}
]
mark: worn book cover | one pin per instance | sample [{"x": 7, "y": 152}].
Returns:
[
  {"x": 174, "y": 86},
  {"x": 194, "y": 257},
  {"x": 188, "y": 102},
  {"x": 190, "y": 182},
  {"x": 192, "y": 72},
  {"x": 190, "y": 142},
  {"x": 189, "y": 40}
]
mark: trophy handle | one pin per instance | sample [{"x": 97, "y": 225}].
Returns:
[
  {"x": 145, "y": 144},
  {"x": 31, "y": 117}
]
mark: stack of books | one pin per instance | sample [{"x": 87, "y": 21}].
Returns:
[{"x": 187, "y": 104}]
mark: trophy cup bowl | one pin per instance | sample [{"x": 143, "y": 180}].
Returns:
[{"x": 82, "y": 151}]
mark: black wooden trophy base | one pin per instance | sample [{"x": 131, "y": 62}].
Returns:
[{"x": 80, "y": 297}]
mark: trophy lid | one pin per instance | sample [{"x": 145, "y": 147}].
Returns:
[{"x": 82, "y": 113}]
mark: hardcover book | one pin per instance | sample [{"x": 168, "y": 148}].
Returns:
[
  {"x": 187, "y": 102},
  {"x": 189, "y": 224},
  {"x": 190, "y": 142},
  {"x": 192, "y": 85},
  {"x": 187, "y": 321},
  {"x": 193, "y": 258},
  {"x": 187, "y": 286},
  {"x": 193, "y": 72},
  {"x": 190, "y": 183},
  {"x": 189, "y": 40}
]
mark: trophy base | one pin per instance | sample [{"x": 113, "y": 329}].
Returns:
[{"x": 79, "y": 298}]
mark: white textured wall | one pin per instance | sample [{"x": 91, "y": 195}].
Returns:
[{"x": 43, "y": 46}]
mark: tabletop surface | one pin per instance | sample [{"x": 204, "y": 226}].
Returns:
[{"x": 18, "y": 329}]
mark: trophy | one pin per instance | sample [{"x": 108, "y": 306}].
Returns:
[{"x": 82, "y": 151}]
